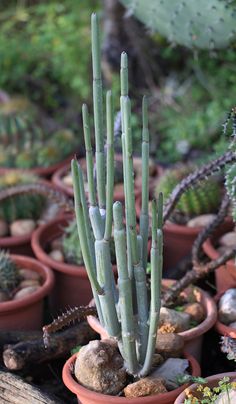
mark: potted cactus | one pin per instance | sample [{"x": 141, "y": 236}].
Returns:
[
  {"x": 24, "y": 282},
  {"x": 25, "y": 145}
]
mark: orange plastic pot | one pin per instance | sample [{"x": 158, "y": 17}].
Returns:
[
  {"x": 192, "y": 337},
  {"x": 27, "y": 313},
  {"x": 225, "y": 276},
  {"x": 212, "y": 381},
  {"x": 86, "y": 396},
  {"x": 72, "y": 286}
]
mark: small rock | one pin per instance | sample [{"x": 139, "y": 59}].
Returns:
[
  {"x": 29, "y": 282},
  {"x": 201, "y": 221},
  {"x": 157, "y": 360},
  {"x": 100, "y": 367},
  {"x": 68, "y": 180},
  {"x": 169, "y": 345},
  {"x": 25, "y": 292},
  {"x": 226, "y": 397},
  {"x": 196, "y": 311},
  {"x": 4, "y": 230},
  {"x": 22, "y": 227},
  {"x": 56, "y": 244},
  {"x": 169, "y": 371},
  {"x": 233, "y": 325},
  {"x": 29, "y": 274},
  {"x": 3, "y": 296},
  {"x": 145, "y": 387},
  {"x": 227, "y": 307},
  {"x": 57, "y": 255},
  {"x": 180, "y": 321},
  {"x": 228, "y": 239}
]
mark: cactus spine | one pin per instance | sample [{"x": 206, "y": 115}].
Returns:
[
  {"x": 9, "y": 273},
  {"x": 195, "y": 24},
  {"x": 136, "y": 335}
]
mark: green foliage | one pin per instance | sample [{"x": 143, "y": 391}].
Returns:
[
  {"x": 44, "y": 47},
  {"x": 71, "y": 245},
  {"x": 210, "y": 395},
  {"x": 9, "y": 273},
  {"x": 204, "y": 198},
  {"x": 23, "y": 206},
  {"x": 195, "y": 24}
]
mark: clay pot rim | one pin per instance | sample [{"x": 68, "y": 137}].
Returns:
[
  {"x": 77, "y": 389},
  {"x": 200, "y": 329},
  {"x": 11, "y": 241},
  {"x": 222, "y": 328},
  {"x": 45, "y": 288},
  {"x": 41, "y": 171},
  {"x": 180, "y": 399}
]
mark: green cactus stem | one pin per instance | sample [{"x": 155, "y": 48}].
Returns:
[{"x": 9, "y": 273}]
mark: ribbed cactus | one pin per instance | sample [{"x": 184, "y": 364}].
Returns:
[
  {"x": 192, "y": 23},
  {"x": 24, "y": 144},
  {"x": 9, "y": 273},
  {"x": 26, "y": 206},
  {"x": 125, "y": 311},
  {"x": 203, "y": 198}
]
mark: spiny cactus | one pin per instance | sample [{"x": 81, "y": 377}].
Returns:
[
  {"x": 26, "y": 206},
  {"x": 9, "y": 273},
  {"x": 204, "y": 198},
  {"x": 230, "y": 175},
  {"x": 192, "y": 23},
  {"x": 71, "y": 245},
  {"x": 24, "y": 144}
]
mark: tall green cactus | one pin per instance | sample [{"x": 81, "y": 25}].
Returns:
[
  {"x": 192, "y": 23},
  {"x": 133, "y": 321}
]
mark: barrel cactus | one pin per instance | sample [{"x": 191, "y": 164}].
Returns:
[
  {"x": 204, "y": 198},
  {"x": 9, "y": 273},
  {"x": 199, "y": 24}
]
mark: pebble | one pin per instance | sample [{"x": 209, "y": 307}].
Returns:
[
  {"x": 145, "y": 387},
  {"x": 22, "y": 227},
  {"x": 227, "y": 307},
  {"x": 180, "y": 321},
  {"x": 201, "y": 221},
  {"x": 29, "y": 274},
  {"x": 233, "y": 325},
  {"x": 29, "y": 282},
  {"x": 169, "y": 371},
  {"x": 25, "y": 292},
  {"x": 57, "y": 255},
  {"x": 4, "y": 230},
  {"x": 68, "y": 180},
  {"x": 228, "y": 239},
  {"x": 196, "y": 311},
  {"x": 169, "y": 345}
]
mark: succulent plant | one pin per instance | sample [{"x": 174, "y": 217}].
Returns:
[
  {"x": 9, "y": 273},
  {"x": 204, "y": 198},
  {"x": 199, "y": 24},
  {"x": 24, "y": 144},
  {"x": 22, "y": 206},
  {"x": 71, "y": 245}
]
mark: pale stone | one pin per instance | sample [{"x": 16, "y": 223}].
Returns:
[
  {"x": 233, "y": 325},
  {"x": 169, "y": 371},
  {"x": 29, "y": 274},
  {"x": 29, "y": 282},
  {"x": 25, "y": 292},
  {"x": 226, "y": 397},
  {"x": 68, "y": 180},
  {"x": 145, "y": 387},
  {"x": 100, "y": 367},
  {"x": 179, "y": 321},
  {"x": 201, "y": 220},
  {"x": 228, "y": 239},
  {"x": 57, "y": 255},
  {"x": 196, "y": 311},
  {"x": 227, "y": 307},
  {"x": 4, "y": 230},
  {"x": 22, "y": 227},
  {"x": 169, "y": 345}
]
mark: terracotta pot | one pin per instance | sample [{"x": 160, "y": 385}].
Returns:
[
  {"x": 21, "y": 244},
  {"x": 212, "y": 381},
  {"x": 192, "y": 337},
  {"x": 225, "y": 276},
  {"x": 221, "y": 328},
  {"x": 86, "y": 396},
  {"x": 45, "y": 172},
  {"x": 72, "y": 286},
  {"x": 27, "y": 313}
]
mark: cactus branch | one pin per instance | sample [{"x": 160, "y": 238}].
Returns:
[{"x": 89, "y": 155}]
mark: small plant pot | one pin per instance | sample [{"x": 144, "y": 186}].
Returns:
[
  {"x": 72, "y": 286},
  {"x": 27, "y": 313},
  {"x": 86, "y": 396},
  {"x": 45, "y": 172},
  {"x": 193, "y": 337},
  {"x": 225, "y": 276},
  {"x": 212, "y": 381}
]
